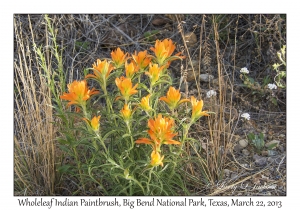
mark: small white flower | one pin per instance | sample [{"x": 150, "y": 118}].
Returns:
[
  {"x": 246, "y": 116},
  {"x": 272, "y": 86},
  {"x": 244, "y": 70},
  {"x": 211, "y": 93}
]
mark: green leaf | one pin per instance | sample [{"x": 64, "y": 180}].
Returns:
[
  {"x": 162, "y": 81},
  {"x": 141, "y": 85},
  {"x": 62, "y": 141},
  {"x": 108, "y": 134},
  {"x": 274, "y": 101},
  {"x": 83, "y": 45},
  {"x": 251, "y": 136},
  {"x": 261, "y": 136},
  {"x": 126, "y": 135},
  {"x": 271, "y": 146},
  {"x": 65, "y": 148},
  {"x": 64, "y": 168}
]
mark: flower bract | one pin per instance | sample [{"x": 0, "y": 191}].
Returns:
[
  {"x": 156, "y": 159},
  {"x": 173, "y": 98},
  {"x": 125, "y": 87},
  {"x": 101, "y": 70},
  {"x": 163, "y": 51},
  {"x": 197, "y": 109},
  {"x": 118, "y": 57},
  {"x": 78, "y": 93},
  {"x": 145, "y": 103},
  {"x": 141, "y": 59}
]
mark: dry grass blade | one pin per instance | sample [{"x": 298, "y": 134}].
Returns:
[{"x": 34, "y": 148}]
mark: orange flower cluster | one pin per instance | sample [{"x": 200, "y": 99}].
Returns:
[
  {"x": 94, "y": 123},
  {"x": 160, "y": 132},
  {"x": 125, "y": 86},
  {"x": 161, "y": 129},
  {"x": 141, "y": 59},
  {"x": 78, "y": 93},
  {"x": 119, "y": 58},
  {"x": 130, "y": 69},
  {"x": 163, "y": 51},
  {"x": 145, "y": 103},
  {"x": 102, "y": 70},
  {"x": 173, "y": 98},
  {"x": 197, "y": 109},
  {"x": 154, "y": 72}
]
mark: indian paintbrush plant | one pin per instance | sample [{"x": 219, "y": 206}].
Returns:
[{"x": 135, "y": 142}]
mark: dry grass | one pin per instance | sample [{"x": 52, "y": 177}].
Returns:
[{"x": 35, "y": 152}]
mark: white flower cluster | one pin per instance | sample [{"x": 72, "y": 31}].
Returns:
[
  {"x": 272, "y": 86},
  {"x": 244, "y": 70},
  {"x": 211, "y": 93},
  {"x": 246, "y": 116}
]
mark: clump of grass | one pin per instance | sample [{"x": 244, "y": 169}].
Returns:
[{"x": 37, "y": 85}]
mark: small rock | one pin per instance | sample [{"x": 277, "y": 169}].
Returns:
[
  {"x": 194, "y": 63},
  {"x": 272, "y": 153},
  {"x": 245, "y": 152},
  {"x": 234, "y": 175},
  {"x": 273, "y": 143},
  {"x": 267, "y": 193},
  {"x": 259, "y": 160},
  {"x": 237, "y": 148},
  {"x": 245, "y": 165},
  {"x": 243, "y": 143},
  {"x": 281, "y": 148},
  {"x": 190, "y": 75},
  {"x": 271, "y": 159},
  {"x": 226, "y": 172},
  {"x": 281, "y": 136},
  {"x": 190, "y": 39},
  {"x": 265, "y": 153},
  {"x": 206, "y": 77},
  {"x": 160, "y": 21}
]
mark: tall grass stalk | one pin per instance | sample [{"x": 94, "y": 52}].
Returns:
[{"x": 37, "y": 81}]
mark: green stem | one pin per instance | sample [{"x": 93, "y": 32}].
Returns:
[
  {"x": 83, "y": 106},
  {"x": 139, "y": 81},
  {"x": 110, "y": 109},
  {"x": 102, "y": 143},
  {"x": 129, "y": 131},
  {"x": 79, "y": 167},
  {"x": 149, "y": 179},
  {"x": 185, "y": 133}
]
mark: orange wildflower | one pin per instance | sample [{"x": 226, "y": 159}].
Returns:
[
  {"x": 197, "y": 109},
  {"x": 161, "y": 130},
  {"x": 156, "y": 159},
  {"x": 160, "y": 133},
  {"x": 163, "y": 51},
  {"x": 130, "y": 69},
  {"x": 141, "y": 59},
  {"x": 126, "y": 113},
  {"x": 145, "y": 103},
  {"x": 154, "y": 72},
  {"x": 102, "y": 70},
  {"x": 173, "y": 98},
  {"x": 125, "y": 86},
  {"x": 118, "y": 57},
  {"x": 94, "y": 123},
  {"x": 78, "y": 93}
]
